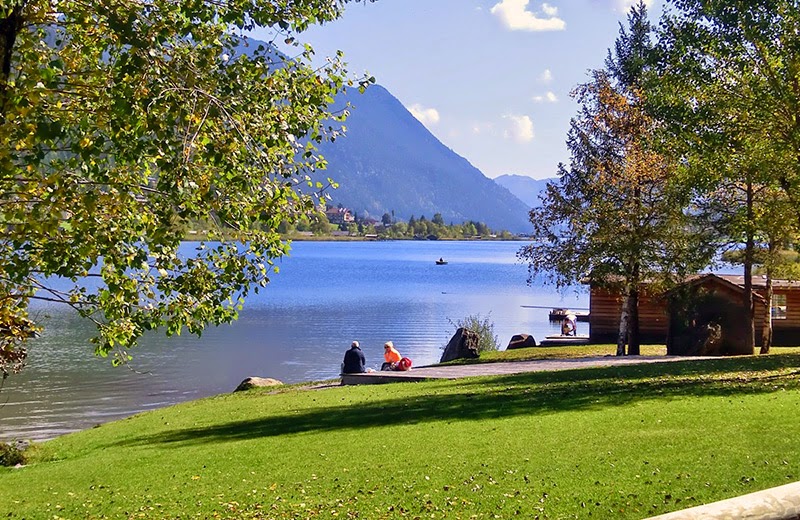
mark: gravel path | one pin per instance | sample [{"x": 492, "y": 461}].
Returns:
[{"x": 502, "y": 368}]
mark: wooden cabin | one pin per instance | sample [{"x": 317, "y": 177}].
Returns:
[
  {"x": 654, "y": 319},
  {"x": 605, "y": 308}
]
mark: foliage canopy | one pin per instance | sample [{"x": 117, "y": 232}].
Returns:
[{"x": 121, "y": 122}]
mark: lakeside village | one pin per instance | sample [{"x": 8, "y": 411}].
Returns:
[{"x": 341, "y": 223}]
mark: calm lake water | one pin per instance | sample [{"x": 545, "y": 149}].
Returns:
[{"x": 326, "y": 295}]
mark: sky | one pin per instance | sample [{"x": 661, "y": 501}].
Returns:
[{"x": 490, "y": 78}]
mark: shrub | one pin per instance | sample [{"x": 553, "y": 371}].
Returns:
[
  {"x": 483, "y": 327},
  {"x": 11, "y": 455}
]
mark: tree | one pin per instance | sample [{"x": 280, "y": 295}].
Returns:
[
  {"x": 284, "y": 228},
  {"x": 123, "y": 121},
  {"x": 777, "y": 230},
  {"x": 398, "y": 230},
  {"x": 320, "y": 225},
  {"x": 386, "y": 219},
  {"x": 613, "y": 215},
  {"x": 727, "y": 99},
  {"x": 469, "y": 229},
  {"x": 748, "y": 221}
]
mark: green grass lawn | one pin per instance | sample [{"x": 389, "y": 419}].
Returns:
[
  {"x": 619, "y": 442},
  {"x": 572, "y": 352}
]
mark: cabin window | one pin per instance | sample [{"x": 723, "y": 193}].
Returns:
[{"x": 778, "y": 306}]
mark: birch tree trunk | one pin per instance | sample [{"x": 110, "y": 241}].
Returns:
[
  {"x": 624, "y": 323},
  {"x": 633, "y": 314},
  {"x": 747, "y": 298}
]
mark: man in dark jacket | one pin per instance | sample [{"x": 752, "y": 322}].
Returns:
[{"x": 354, "y": 360}]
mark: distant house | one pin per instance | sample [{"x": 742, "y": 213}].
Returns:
[
  {"x": 723, "y": 292},
  {"x": 339, "y": 216}
]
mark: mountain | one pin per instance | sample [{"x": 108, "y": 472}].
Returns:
[
  {"x": 388, "y": 161},
  {"x": 525, "y": 188}
]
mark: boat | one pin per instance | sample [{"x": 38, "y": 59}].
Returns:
[
  {"x": 441, "y": 261},
  {"x": 559, "y": 314}
]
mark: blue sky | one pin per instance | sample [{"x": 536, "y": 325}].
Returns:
[{"x": 490, "y": 78}]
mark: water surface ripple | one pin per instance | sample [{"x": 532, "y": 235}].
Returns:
[{"x": 326, "y": 295}]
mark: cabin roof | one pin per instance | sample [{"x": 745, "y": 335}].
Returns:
[
  {"x": 733, "y": 282},
  {"x": 760, "y": 282}
]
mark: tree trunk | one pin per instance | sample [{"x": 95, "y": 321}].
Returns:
[
  {"x": 766, "y": 336},
  {"x": 10, "y": 25},
  {"x": 633, "y": 314},
  {"x": 622, "y": 339},
  {"x": 747, "y": 298}
]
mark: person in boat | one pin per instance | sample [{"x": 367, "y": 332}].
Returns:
[
  {"x": 391, "y": 356},
  {"x": 354, "y": 360},
  {"x": 568, "y": 327}
]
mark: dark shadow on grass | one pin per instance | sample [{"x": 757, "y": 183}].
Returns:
[{"x": 515, "y": 395}]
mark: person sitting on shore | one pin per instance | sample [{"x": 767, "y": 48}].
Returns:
[
  {"x": 391, "y": 355},
  {"x": 354, "y": 360},
  {"x": 568, "y": 327}
]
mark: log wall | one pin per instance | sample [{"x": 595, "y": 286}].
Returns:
[
  {"x": 787, "y": 331},
  {"x": 605, "y": 308}
]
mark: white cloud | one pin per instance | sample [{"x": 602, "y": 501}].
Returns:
[
  {"x": 514, "y": 15},
  {"x": 520, "y": 128},
  {"x": 549, "y": 97},
  {"x": 546, "y": 76},
  {"x": 483, "y": 128},
  {"x": 426, "y": 116},
  {"x": 549, "y": 10}
]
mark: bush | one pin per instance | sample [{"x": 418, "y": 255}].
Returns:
[
  {"x": 11, "y": 455},
  {"x": 483, "y": 327}
]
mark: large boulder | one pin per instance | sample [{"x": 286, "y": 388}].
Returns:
[
  {"x": 256, "y": 382},
  {"x": 521, "y": 341},
  {"x": 463, "y": 345}
]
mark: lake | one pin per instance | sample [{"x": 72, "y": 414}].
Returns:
[{"x": 326, "y": 295}]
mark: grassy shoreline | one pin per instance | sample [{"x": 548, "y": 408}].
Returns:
[{"x": 617, "y": 442}]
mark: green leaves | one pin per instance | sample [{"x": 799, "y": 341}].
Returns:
[
  {"x": 122, "y": 123},
  {"x": 727, "y": 100}
]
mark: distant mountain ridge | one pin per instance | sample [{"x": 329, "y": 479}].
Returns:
[
  {"x": 526, "y": 189},
  {"x": 388, "y": 161}
]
